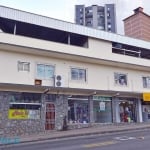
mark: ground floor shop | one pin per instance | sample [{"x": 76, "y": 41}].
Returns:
[
  {"x": 26, "y": 113},
  {"x": 104, "y": 109},
  {"x": 31, "y": 112},
  {"x": 146, "y": 111}
]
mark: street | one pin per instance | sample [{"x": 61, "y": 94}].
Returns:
[{"x": 135, "y": 140}]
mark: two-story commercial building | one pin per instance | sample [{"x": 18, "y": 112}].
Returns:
[{"x": 51, "y": 69}]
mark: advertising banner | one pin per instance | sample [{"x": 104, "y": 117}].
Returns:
[
  {"x": 18, "y": 114},
  {"x": 23, "y": 114}
]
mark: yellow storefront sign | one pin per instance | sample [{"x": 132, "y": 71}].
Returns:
[
  {"x": 17, "y": 114},
  {"x": 146, "y": 97}
]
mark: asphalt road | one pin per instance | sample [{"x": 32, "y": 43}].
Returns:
[{"x": 136, "y": 140}]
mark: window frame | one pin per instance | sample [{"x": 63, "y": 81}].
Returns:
[
  {"x": 147, "y": 84},
  {"x": 44, "y": 77},
  {"x": 79, "y": 76},
  {"x": 22, "y": 66},
  {"x": 119, "y": 81}
]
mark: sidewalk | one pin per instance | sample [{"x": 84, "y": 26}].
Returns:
[{"x": 85, "y": 131}]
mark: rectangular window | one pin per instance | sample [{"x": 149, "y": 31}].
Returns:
[
  {"x": 146, "y": 82},
  {"x": 78, "y": 74},
  {"x": 23, "y": 66},
  {"x": 120, "y": 79},
  {"x": 24, "y": 106},
  {"x": 45, "y": 71}
]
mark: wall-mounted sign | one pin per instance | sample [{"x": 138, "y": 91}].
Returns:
[
  {"x": 101, "y": 98},
  {"x": 23, "y": 114},
  {"x": 146, "y": 97},
  {"x": 17, "y": 114},
  {"x": 102, "y": 106}
]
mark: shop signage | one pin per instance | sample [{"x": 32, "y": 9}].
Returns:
[
  {"x": 146, "y": 96},
  {"x": 18, "y": 114},
  {"x": 102, "y": 106},
  {"x": 101, "y": 98},
  {"x": 23, "y": 114}
]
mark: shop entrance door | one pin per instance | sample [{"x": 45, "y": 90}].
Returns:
[{"x": 50, "y": 116}]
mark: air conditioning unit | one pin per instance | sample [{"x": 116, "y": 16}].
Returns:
[{"x": 58, "y": 81}]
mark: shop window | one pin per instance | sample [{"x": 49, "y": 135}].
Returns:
[
  {"x": 120, "y": 79},
  {"x": 24, "y": 106},
  {"x": 81, "y": 10},
  {"x": 78, "y": 74},
  {"x": 23, "y": 66},
  {"x": 78, "y": 111},
  {"x": 146, "y": 82},
  {"x": 102, "y": 108},
  {"x": 45, "y": 71},
  {"x": 127, "y": 110}
]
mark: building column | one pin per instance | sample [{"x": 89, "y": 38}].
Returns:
[
  {"x": 115, "y": 110},
  {"x": 61, "y": 109},
  {"x": 91, "y": 113},
  {"x": 43, "y": 111},
  {"x": 139, "y": 110}
]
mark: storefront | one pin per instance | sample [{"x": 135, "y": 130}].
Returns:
[
  {"x": 78, "y": 109},
  {"x": 102, "y": 109},
  {"x": 24, "y": 106},
  {"x": 26, "y": 113},
  {"x": 146, "y": 107},
  {"x": 127, "y": 110}
]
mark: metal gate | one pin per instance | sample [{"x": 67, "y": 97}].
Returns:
[{"x": 50, "y": 116}]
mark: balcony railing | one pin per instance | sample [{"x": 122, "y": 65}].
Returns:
[{"x": 126, "y": 52}]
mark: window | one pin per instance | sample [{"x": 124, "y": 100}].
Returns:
[
  {"x": 78, "y": 74},
  {"x": 24, "y": 106},
  {"x": 146, "y": 82},
  {"x": 23, "y": 66},
  {"x": 90, "y": 10},
  {"x": 108, "y": 15},
  {"x": 45, "y": 71},
  {"x": 81, "y": 21},
  {"x": 109, "y": 25},
  {"x": 120, "y": 79},
  {"x": 78, "y": 111},
  {"x": 81, "y": 9}
]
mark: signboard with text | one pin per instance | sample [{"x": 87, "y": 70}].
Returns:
[
  {"x": 23, "y": 114},
  {"x": 18, "y": 114},
  {"x": 102, "y": 106}
]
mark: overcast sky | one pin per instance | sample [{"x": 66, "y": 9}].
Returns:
[{"x": 64, "y": 9}]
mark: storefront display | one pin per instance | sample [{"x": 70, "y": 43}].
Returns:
[
  {"x": 127, "y": 110},
  {"x": 102, "y": 109},
  {"x": 78, "y": 111}
]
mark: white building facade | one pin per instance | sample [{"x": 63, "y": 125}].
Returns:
[{"x": 52, "y": 69}]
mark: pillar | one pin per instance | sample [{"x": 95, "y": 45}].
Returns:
[
  {"x": 115, "y": 110},
  {"x": 139, "y": 110},
  {"x": 91, "y": 113}
]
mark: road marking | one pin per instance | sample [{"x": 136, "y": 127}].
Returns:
[
  {"x": 124, "y": 138},
  {"x": 100, "y": 144}
]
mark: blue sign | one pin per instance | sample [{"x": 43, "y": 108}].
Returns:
[{"x": 7, "y": 140}]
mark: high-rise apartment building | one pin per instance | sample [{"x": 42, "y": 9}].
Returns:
[
  {"x": 138, "y": 25},
  {"x": 100, "y": 17}
]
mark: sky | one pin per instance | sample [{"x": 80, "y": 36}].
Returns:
[{"x": 64, "y": 9}]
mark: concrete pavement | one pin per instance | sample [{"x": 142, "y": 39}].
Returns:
[
  {"x": 102, "y": 129},
  {"x": 94, "y": 129}
]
